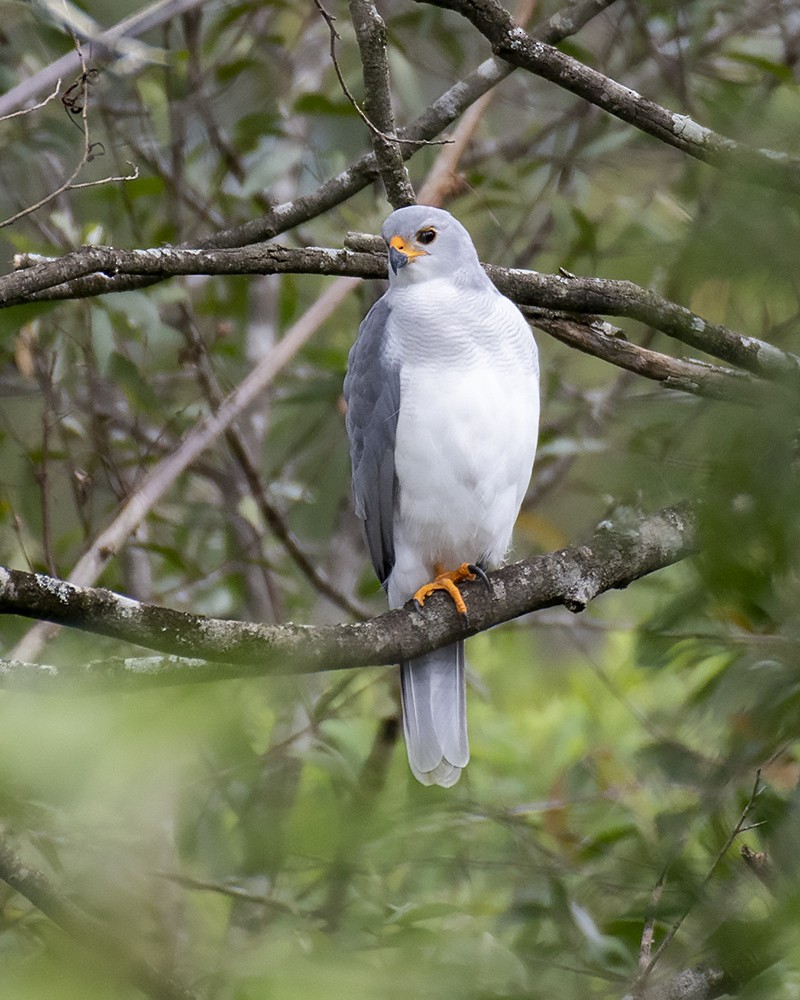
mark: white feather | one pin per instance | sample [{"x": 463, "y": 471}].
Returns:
[{"x": 466, "y": 432}]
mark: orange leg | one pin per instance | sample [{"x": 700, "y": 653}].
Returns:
[{"x": 448, "y": 581}]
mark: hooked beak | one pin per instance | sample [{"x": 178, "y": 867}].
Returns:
[{"x": 400, "y": 253}]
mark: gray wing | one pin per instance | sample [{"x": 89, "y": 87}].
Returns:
[{"x": 372, "y": 392}]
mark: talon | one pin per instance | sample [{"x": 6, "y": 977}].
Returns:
[
  {"x": 480, "y": 572},
  {"x": 447, "y": 581}
]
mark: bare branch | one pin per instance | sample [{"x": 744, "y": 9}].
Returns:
[
  {"x": 601, "y": 340},
  {"x": 66, "y": 277},
  {"x": 75, "y": 105},
  {"x": 272, "y": 517},
  {"x": 445, "y": 110},
  {"x": 132, "y": 176},
  {"x": 441, "y": 180},
  {"x": 79, "y": 105},
  {"x": 613, "y": 557},
  {"x": 510, "y": 42},
  {"x": 624, "y": 298},
  {"x": 59, "y": 277},
  {"x": 442, "y": 113},
  {"x": 371, "y": 35},
  {"x": 390, "y": 135}
]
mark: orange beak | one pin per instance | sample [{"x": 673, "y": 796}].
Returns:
[{"x": 400, "y": 253}]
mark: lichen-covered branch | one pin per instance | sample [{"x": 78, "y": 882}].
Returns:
[
  {"x": 64, "y": 277},
  {"x": 371, "y": 35},
  {"x": 61, "y": 277},
  {"x": 624, "y": 298},
  {"x": 601, "y": 340},
  {"x": 613, "y": 557}
]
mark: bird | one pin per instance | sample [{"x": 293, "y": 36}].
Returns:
[{"x": 442, "y": 416}]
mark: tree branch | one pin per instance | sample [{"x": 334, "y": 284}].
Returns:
[
  {"x": 641, "y": 979},
  {"x": 624, "y": 298},
  {"x": 442, "y": 180},
  {"x": 437, "y": 117},
  {"x": 615, "y": 556},
  {"x": 61, "y": 277},
  {"x": 240, "y": 450},
  {"x": 35, "y": 107},
  {"x": 161, "y": 477},
  {"x": 510, "y": 42},
  {"x": 114, "y": 42},
  {"x": 39, "y": 279},
  {"x": 371, "y": 35},
  {"x": 360, "y": 174},
  {"x": 601, "y": 340}
]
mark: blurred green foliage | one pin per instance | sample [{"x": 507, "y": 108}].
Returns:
[{"x": 264, "y": 839}]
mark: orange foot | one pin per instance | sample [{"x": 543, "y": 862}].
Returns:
[{"x": 448, "y": 581}]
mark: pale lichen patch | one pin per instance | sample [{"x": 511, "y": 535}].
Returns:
[
  {"x": 776, "y": 155},
  {"x": 126, "y": 607},
  {"x": 63, "y": 592},
  {"x": 687, "y": 128}
]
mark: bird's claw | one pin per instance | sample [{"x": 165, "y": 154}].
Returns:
[
  {"x": 480, "y": 573},
  {"x": 447, "y": 581}
]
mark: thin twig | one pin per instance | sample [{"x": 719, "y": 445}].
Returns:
[
  {"x": 670, "y": 935},
  {"x": 108, "y": 180},
  {"x": 767, "y": 167},
  {"x": 112, "y": 42},
  {"x": 441, "y": 177},
  {"x": 270, "y": 513},
  {"x": 83, "y": 84},
  {"x": 35, "y": 107},
  {"x": 359, "y": 174},
  {"x": 80, "y": 105},
  {"x": 646, "y": 946},
  {"x": 226, "y": 889}
]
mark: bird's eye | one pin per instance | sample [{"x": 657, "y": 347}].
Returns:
[{"x": 426, "y": 236}]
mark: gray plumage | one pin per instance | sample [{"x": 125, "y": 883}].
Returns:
[
  {"x": 442, "y": 416},
  {"x": 372, "y": 391}
]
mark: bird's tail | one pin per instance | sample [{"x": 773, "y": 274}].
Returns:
[{"x": 435, "y": 715}]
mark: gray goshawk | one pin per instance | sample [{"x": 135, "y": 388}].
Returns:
[{"x": 442, "y": 393}]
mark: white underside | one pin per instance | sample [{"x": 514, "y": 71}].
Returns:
[{"x": 466, "y": 440}]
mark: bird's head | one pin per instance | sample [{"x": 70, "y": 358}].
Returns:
[{"x": 426, "y": 243}]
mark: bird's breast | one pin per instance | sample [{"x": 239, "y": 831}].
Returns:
[{"x": 466, "y": 437}]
